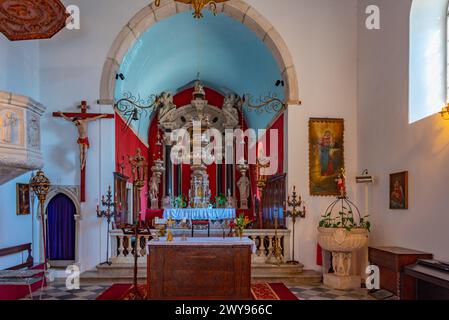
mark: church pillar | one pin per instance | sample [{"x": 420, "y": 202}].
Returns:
[
  {"x": 168, "y": 166},
  {"x": 178, "y": 190},
  {"x": 230, "y": 178},
  {"x": 220, "y": 179}
]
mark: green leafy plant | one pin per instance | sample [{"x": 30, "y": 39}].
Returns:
[
  {"x": 220, "y": 201},
  {"x": 180, "y": 202},
  {"x": 344, "y": 219}
]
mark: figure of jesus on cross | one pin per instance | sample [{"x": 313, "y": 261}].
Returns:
[
  {"x": 81, "y": 121},
  {"x": 83, "y": 139}
]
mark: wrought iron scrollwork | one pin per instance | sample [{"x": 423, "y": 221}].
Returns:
[
  {"x": 134, "y": 107},
  {"x": 268, "y": 104}
]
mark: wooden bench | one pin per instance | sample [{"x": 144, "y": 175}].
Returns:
[
  {"x": 18, "y": 281},
  {"x": 18, "y": 249}
]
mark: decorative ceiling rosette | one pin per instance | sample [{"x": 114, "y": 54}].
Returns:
[{"x": 31, "y": 19}]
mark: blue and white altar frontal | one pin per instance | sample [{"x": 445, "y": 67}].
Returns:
[{"x": 200, "y": 214}]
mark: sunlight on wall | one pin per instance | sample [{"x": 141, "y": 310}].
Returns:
[{"x": 427, "y": 84}]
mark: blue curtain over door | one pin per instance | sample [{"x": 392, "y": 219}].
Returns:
[{"x": 61, "y": 228}]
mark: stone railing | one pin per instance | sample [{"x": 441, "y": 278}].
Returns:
[{"x": 122, "y": 245}]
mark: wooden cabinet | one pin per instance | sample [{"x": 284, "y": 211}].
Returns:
[
  {"x": 392, "y": 262},
  {"x": 213, "y": 272}
]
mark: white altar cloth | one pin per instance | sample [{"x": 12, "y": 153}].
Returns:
[
  {"x": 200, "y": 214},
  {"x": 203, "y": 242}
]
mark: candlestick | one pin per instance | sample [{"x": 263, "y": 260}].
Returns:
[{"x": 295, "y": 203}]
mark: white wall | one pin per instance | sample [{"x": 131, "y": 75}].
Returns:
[
  {"x": 19, "y": 65},
  {"x": 388, "y": 143},
  {"x": 70, "y": 69},
  {"x": 322, "y": 37}
]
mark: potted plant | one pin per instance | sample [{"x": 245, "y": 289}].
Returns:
[{"x": 341, "y": 233}]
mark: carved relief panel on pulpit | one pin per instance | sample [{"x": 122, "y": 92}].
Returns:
[{"x": 19, "y": 135}]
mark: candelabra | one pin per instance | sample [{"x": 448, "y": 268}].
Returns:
[
  {"x": 294, "y": 214},
  {"x": 276, "y": 251},
  {"x": 40, "y": 185},
  {"x": 261, "y": 177},
  {"x": 139, "y": 166},
  {"x": 110, "y": 212}
]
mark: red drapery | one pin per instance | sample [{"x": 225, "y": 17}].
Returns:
[{"x": 126, "y": 144}]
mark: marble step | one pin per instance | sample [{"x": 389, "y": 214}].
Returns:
[
  {"x": 123, "y": 273},
  {"x": 272, "y": 269}
]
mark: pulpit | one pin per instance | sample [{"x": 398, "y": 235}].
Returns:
[{"x": 200, "y": 269}]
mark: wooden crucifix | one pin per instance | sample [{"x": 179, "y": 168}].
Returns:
[{"x": 81, "y": 121}]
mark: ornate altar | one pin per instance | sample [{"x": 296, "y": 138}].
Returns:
[{"x": 195, "y": 119}]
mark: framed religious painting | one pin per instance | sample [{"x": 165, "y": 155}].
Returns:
[
  {"x": 326, "y": 155},
  {"x": 399, "y": 191},
  {"x": 23, "y": 199}
]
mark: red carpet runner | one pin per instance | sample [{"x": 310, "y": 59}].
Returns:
[{"x": 259, "y": 291}]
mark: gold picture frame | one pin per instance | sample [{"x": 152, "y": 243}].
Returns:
[
  {"x": 326, "y": 155},
  {"x": 399, "y": 191},
  {"x": 23, "y": 204}
]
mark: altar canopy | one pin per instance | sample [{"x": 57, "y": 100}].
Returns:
[{"x": 200, "y": 214}]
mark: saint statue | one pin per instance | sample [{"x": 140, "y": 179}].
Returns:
[
  {"x": 243, "y": 185},
  {"x": 154, "y": 187},
  {"x": 83, "y": 139},
  {"x": 198, "y": 91},
  {"x": 9, "y": 122}
]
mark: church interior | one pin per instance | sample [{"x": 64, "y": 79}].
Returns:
[{"x": 224, "y": 150}]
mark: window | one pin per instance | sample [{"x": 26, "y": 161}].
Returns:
[{"x": 428, "y": 58}]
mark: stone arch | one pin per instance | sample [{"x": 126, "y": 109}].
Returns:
[
  {"x": 236, "y": 9},
  {"x": 72, "y": 192}
]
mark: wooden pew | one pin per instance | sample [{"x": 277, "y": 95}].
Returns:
[{"x": 18, "y": 249}]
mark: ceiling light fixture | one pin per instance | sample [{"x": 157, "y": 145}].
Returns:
[
  {"x": 445, "y": 112},
  {"x": 198, "y": 6}
]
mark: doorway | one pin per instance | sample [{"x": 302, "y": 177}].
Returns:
[{"x": 61, "y": 231}]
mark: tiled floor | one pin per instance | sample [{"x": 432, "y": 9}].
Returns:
[
  {"x": 322, "y": 293},
  {"x": 58, "y": 291}
]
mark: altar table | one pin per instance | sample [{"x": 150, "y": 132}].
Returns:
[
  {"x": 200, "y": 214},
  {"x": 200, "y": 269}
]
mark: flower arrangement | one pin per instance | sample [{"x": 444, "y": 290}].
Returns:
[{"x": 240, "y": 223}]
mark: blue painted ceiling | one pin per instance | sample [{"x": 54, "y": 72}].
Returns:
[{"x": 228, "y": 56}]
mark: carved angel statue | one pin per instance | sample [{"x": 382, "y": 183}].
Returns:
[
  {"x": 166, "y": 104},
  {"x": 230, "y": 111}
]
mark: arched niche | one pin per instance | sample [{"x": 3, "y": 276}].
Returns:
[
  {"x": 73, "y": 193},
  {"x": 236, "y": 9}
]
